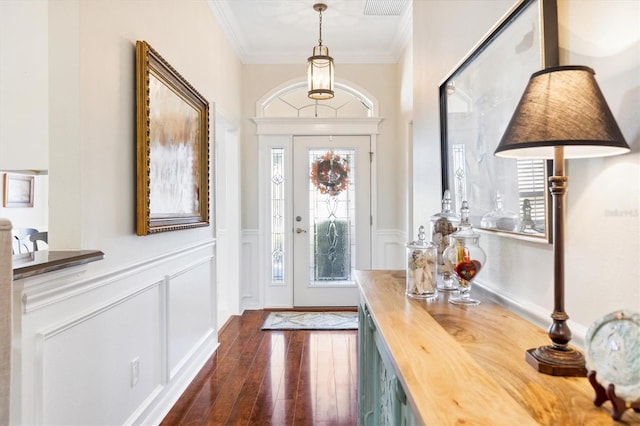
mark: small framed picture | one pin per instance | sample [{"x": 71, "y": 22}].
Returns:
[{"x": 18, "y": 190}]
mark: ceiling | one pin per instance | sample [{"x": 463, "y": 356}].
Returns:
[{"x": 285, "y": 31}]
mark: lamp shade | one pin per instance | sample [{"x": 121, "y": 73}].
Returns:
[
  {"x": 320, "y": 74},
  {"x": 562, "y": 106}
]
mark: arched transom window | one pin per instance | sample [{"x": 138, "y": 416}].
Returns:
[{"x": 292, "y": 101}]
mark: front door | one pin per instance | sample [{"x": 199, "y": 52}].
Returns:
[{"x": 331, "y": 218}]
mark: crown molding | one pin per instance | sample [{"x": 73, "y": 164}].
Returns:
[{"x": 389, "y": 55}]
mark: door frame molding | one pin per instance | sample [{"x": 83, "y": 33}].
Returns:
[{"x": 279, "y": 132}]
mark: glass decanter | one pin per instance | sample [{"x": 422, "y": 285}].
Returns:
[
  {"x": 499, "y": 217},
  {"x": 464, "y": 257},
  {"x": 443, "y": 224},
  {"x": 528, "y": 225}
]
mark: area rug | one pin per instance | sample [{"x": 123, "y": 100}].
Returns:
[{"x": 293, "y": 320}]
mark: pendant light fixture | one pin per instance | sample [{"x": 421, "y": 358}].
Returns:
[{"x": 320, "y": 66}]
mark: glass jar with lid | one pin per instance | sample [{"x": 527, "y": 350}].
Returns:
[
  {"x": 464, "y": 257},
  {"x": 499, "y": 217},
  {"x": 421, "y": 268},
  {"x": 443, "y": 224}
]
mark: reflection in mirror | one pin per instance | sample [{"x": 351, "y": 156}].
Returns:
[
  {"x": 477, "y": 99},
  {"x": 509, "y": 195}
]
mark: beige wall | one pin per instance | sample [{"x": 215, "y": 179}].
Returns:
[
  {"x": 443, "y": 33},
  {"x": 92, "y": 105},
  {"x": 24, "y": 126},
  {"x": 153, "y": 298},
  {"x": 381, "y": 80},
  {"x": 603, "y": 225},
  {"x": 405, "y": 138}
]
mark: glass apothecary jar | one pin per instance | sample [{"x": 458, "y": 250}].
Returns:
[
  {"x": 499, "y": 217},
  {"x": 421, "y": 268},
  {"x": 443, "y": 224},
  {"x": 464, "y": 257}
]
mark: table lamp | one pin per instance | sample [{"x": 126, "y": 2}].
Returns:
[{"x": 562, "y": 114}]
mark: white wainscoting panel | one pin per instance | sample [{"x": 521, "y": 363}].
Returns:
[
  {"x": 79, "y": 338},
  {"x": 189, "y": 318},
  {"x": 390, "y": 250},
  {"x": 223, "y": 279},
  {"x": 249, "y": 266},
  {"x": 94, "y": 381}
]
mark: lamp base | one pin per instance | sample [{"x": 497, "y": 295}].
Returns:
[{"x": 556, "y": 361}]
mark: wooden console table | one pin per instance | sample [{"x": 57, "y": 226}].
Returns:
[{"x": 431, "y": 362}]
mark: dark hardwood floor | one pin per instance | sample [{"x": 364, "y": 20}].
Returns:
[{"x": 261, "y": 377}]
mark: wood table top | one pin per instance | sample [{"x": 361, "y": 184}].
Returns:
[{"x": 466, "y": 365}]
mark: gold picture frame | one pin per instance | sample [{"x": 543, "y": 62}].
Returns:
[
  {"x": 18, "y": 190},
  {"x": 172, "y": 148}
]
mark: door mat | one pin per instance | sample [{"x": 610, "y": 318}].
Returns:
[{"x": 286, "y": 320}]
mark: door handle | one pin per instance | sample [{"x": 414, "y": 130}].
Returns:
[{"x": 300, "y": 230}]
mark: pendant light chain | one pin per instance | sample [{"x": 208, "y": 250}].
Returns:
[{"x": 320, "y": 29}]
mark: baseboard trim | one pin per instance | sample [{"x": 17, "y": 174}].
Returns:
[{"x": 164, "y": 402}]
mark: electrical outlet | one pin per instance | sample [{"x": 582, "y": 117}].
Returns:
[{"x": 135, "y": 370}]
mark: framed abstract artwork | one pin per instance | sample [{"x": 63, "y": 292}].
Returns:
[
  {"x": 172, "y": 148},
  {"x": 18, "y": 190},
  {"x": 477, "y": 99}
]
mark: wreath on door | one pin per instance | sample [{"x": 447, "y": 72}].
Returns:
[{"x": 330, "y": 174}]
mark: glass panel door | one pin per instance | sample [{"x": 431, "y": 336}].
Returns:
[
  {"x": 332, "y": 214},
  {"x": 331, "y": 178}
]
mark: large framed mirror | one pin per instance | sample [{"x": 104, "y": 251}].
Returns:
[{"x": 477, "y": 99}]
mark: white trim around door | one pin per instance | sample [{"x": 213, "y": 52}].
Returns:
[{"x": 276, "y": 133}]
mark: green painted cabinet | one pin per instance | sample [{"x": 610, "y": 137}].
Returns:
[{"x": 381, "y": 397}]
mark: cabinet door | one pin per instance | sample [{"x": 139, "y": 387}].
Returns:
[
  {"x": 381, "y": 397},
  {"x": 368, "y": 367},
  {"x": 391, "y": 395}
]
